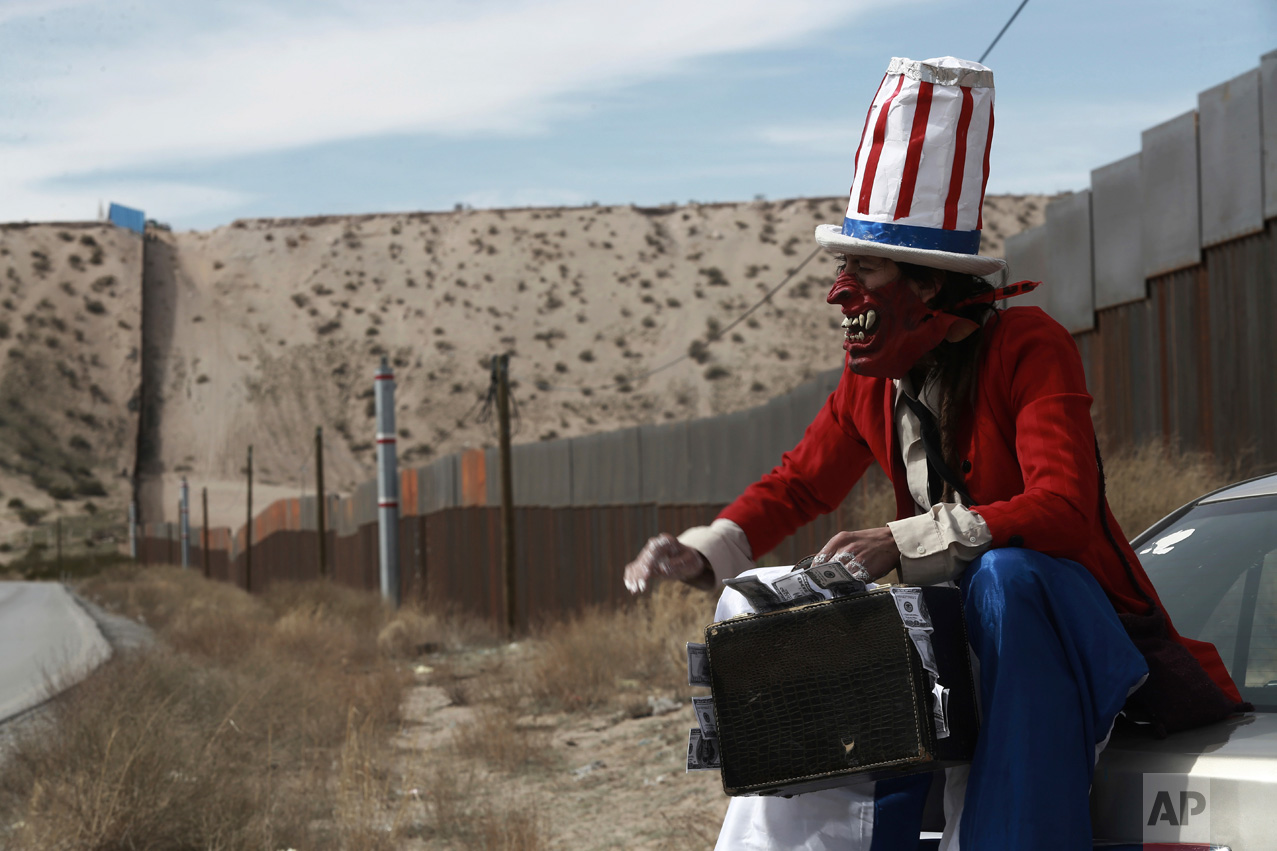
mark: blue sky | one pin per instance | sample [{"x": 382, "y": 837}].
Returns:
[{"x": 203, "y": 112}]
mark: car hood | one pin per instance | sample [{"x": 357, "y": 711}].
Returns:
[{"x": 1216, "y": 783}]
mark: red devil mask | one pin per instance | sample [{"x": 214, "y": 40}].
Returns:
[{"x": 888, "y": 329}]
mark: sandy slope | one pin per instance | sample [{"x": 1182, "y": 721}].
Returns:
[
  {"x": 70, "y": 333},
  {"x": 264, "y": 329}
]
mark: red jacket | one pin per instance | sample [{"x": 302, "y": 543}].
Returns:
[{"x": 1031, "y": 448}]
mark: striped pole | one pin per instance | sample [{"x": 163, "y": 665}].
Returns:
[
  {"x": 184, "y": 517},
  {"x": 387, "y": 483}
]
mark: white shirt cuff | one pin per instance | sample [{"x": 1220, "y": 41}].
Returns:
[
  {"x": 938, "y": 545},
  {"x": 724, "y": 545}
]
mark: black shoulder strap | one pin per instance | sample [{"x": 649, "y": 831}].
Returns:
[{"x": 935, "y": 458}]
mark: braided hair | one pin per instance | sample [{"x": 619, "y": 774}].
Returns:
[{"x": 954, "y": 365}]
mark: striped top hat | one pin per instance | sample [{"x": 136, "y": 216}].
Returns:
[{"x": 921, "y": 168}]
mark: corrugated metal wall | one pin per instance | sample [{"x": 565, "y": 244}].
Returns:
[{"x": 1166, "y": 272}]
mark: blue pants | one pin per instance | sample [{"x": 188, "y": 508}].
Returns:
[{"x": 1055, "y": 668}]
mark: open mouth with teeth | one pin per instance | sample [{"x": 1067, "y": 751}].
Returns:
[{"x": 859, "y": 329}]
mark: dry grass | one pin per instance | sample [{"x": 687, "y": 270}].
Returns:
[
  {"x": 153, "y": 753},
  {"x": 228, "y": 736},
  {"x": 460, "y": 813},
  {"x": 1147, "y": 482},
  {"x": 498, "y": 738},
  {"x": 606, "y": 659},
  {"x": 266, "y": 721}
]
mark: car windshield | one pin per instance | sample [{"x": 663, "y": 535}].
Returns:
[{"x": 1215, "y": 569}]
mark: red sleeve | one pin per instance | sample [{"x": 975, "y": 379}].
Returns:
[
  {"x": 813, "y": 478},
  {"x": 1043, "y": 392}
]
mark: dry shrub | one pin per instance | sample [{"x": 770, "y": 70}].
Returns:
[
  {"x": 149, "y": 752},
  {"x": 1147, "y": 482},
  {"x": 255, "y": 698},
  {"x": 414, "y": 631},
  {"x": 496, "y": 737},
  {"x": 602, "y": 658},
  {"x": 507, "y": 829},
  {"x": 365, "y": 819},
  {"x": 457, "y": 810}
]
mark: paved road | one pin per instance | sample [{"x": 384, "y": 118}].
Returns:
[{"x": 44, "y": 637}]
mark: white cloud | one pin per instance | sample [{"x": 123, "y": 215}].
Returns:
[
  {"x": 1037, "y": 147},
  {"x": 266, "y": 79},
  {"x": 826, "y": 137}
]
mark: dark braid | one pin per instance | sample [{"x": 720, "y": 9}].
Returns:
[{"x": 956, "y": 365}]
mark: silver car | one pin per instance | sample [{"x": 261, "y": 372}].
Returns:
[{"x": 1214, "y": 563}]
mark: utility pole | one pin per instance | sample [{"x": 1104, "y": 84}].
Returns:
[
  {"x": 184, "y": 517},
  {"x": 204, "y": 533},
  {"x": 133, "y": 530},
  {"x": 501, "y": 376},
  {"x": 248, "y": 540},
  {"x": 320, "y": 499},
  {"x": 387, "y": 483}
]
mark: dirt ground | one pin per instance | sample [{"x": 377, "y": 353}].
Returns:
[{"x": 595, "y": 780}]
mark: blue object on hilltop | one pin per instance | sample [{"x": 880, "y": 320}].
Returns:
[{"x": 127, "y": 217}]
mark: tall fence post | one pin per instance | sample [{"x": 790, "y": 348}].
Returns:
[
  {"x": 184, "y": 518},
  {"x": 248, "y": 540},
  {"x": 387, "y": 483},
  {"x": 204, "y": 532},
  {"x": 319, "y": 501},
  {"x": 133, "y": 530},
  {"x": 501, "y": 374}
]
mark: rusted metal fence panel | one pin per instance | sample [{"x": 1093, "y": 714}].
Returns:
[
  {"x": 1027, "y": 259},
  {"x": 542, "y": 474},
  {"x": 607, "y": 468},
  {"x": 1169, "y": 196},
  {"x": 1071, "y": 294},
  {"x": 1242, "y": 292},
  {"x": 440, "y": 485},
  {"x": 666, "y": 462},
  {"x": 1268, "y": 117},
  {"x": 1231, "y": 160},
  {"x": 1117, "y": 241}
]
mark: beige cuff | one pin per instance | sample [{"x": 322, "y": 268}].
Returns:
[
  {"x": 937, "y": 546},
  {"x": 724, "y": 544}
]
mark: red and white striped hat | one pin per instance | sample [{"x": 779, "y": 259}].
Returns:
[{"x": 921, "y": 168}]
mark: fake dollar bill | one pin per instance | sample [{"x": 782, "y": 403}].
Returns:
[
  {"x": 705, "y": 716},
  {"x": 794, "y": 589},
  {"x": 835, "y": 578},
  {"x": 697, "y": 665},
  {"x": 757, "y": 593},
  {"x": 702, "y": 753}
]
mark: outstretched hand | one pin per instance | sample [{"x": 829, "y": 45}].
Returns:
[
  {"x": 875, "y": 549},
  {"x": 665, "y": 557}
]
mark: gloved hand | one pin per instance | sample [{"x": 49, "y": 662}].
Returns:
[{"x": 665, "y": 557}]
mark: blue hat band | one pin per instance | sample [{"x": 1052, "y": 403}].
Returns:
[{"x": 913, "y": 236}]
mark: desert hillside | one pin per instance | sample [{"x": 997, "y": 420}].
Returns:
[
  {"x": 70, "y": 362},
  {"x": 263, "y": 329}
]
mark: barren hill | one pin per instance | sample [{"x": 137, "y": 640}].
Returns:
[{"x": 261, "y": 330}]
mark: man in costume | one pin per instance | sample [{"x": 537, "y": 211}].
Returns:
[{"x": 981, "y": 419}]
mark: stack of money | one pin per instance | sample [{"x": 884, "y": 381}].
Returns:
[
  {"x": 809, "y": 584},
  {"x": 702, "y": 740}
]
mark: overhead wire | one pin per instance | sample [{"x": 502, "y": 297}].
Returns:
[
  {"x": 1002, "y": 31},
  {"x": 487, "y": 400},
  {"x": 714, "y": 337}
]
